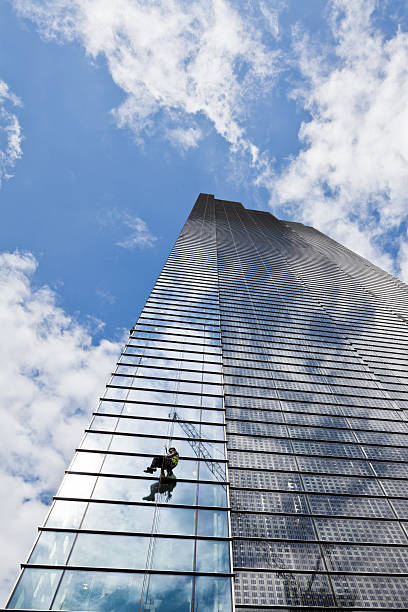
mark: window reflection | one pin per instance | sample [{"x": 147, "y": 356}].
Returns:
[
  {"x": 173, "y": 554},
  {"x": 102, "y": 591},
  {"x": 66, "y": 514},
  {"x": 35, "y": 589},
  {"x": 212, "y": 556},
  {"x": 212, "y": 495},
  {"x": 75, "y": 485},
  {"x": 104, "y": 423},
  {"x": 124, "y": 551},
  {"x": 187, "y": 448},
  {"x": 95, "y": 441},
  {"x": 130, "y": 552},
  {"x": 52, "y": 548},
  {"x": 170, "y": 593},
  {"x": 212, "y": 523},
  {"x": 136, "y": 490},
  {"x": 176, "y": 425},
  {"x": 163, "y": 488},
  {"x": 87, "y": 462},
  {"x": 213, "y": 594},
  {"x": 120, "y": 517},
  {"x": 133, "y": 465}
]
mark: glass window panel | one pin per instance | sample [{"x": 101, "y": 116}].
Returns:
[
  {"x": 212, "y": 432},
  {"x": 94, "y": 441},
  {"x": 213, "y": 594},
  {"x": 162, "y": 384},
  {"x": 212, "y": 402},
  {"x": 52, "y": 548},
  {"x": 146, "y": 445},
  {"x": 104, "y": 423},
  {"x": 161, "y": 412},
  {"x": 75, "y": 485},
  {"x": 135, "y": 489},
  {"x": 131, "y": 552},
  {"x": 66, "y": 514},
  {"x": 126, "y": 369},
  {"x": 119, "y": 517},
  {"x": 211, "y": 470},
  {"x": 87, "y": 462},
  {"x": 212, "y": 416},
  {"x": 110, "y": 406},
  {"x": 212, "y": 495},
  {"x": 166, "y": 428},
  {"x": 146, "y": 426},
  {"x": 173, "y": 554},
  {"x": 134, "y": 359},
  {"x": 169, "y": 593},
  {"x": 192, "y": 387},
  {"x": 133, "y": 465},
  {"x": 35, "y": 589},
  {"x": 124, "y": 551},
  {"x": 212, "y": 556},
  {"x": 212, "y": 378},
  {"x": 212, "y": 523},
  {"x": 151, "y": 396},
  {"x": 99, "y": 591}
]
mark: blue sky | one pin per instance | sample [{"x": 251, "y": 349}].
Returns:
[{"x": 113, "y": 117}]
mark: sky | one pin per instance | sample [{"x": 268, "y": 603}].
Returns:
[{"x": 114, "y": 116}]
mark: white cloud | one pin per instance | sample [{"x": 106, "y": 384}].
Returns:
[
  {"x": 10, "y": 131},
  {"x": 140, "y": 236},
  {"x": 51, "y": 377},
  {"x": 186, "y": 138},
  {"x": 351, "y": 177},
  {"x": 106, "y": 296},
  {"x": 176, "y": 60}
]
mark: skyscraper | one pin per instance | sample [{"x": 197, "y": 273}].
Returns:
[{"x": 275, "y": 361}]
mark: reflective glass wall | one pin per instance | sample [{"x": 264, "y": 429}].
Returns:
[
  {"x": 275, "y": 361},
  {"x": 116, "y": 538}
]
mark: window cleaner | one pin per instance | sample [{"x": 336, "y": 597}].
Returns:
[{"x": 167, "y": 462}]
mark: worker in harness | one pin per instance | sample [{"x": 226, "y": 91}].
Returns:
[{"x": 167, "y": 462}]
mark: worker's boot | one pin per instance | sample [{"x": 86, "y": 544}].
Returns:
[
  {"x": 149, "y": 497},
  {"x": 150, "y": 470}
]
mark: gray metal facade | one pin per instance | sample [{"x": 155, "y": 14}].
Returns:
[{"x": 273, "y": 338}]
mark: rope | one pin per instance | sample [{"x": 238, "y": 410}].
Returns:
[{"x": 155, "y": 527}]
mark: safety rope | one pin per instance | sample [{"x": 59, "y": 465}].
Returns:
[{"x": 154, "y": 529}]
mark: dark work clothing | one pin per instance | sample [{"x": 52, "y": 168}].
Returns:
[{"x": 165, "y": 463}]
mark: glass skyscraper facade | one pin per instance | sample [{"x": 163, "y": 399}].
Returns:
[{"x": 275, "y": 361}]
